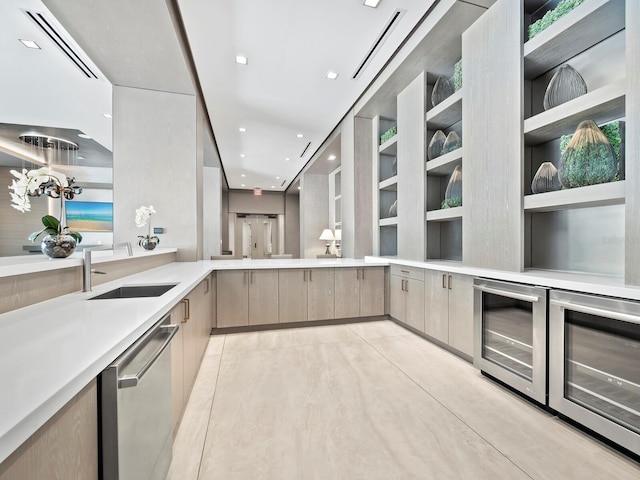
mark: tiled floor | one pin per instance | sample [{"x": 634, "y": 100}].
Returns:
[{"x": 368, "y": 401}]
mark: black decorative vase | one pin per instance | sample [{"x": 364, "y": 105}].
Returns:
[
  {"x": 148, "y": 243},
  {"x": 58, "y": 246}
]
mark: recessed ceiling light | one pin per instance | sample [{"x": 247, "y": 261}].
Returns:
[
  {"x": 331, "y": 158},
  {"x": 242, "y": 129},
  {"x": 80, "y": 157},
  {"x": 298, "y": 188},
  {"x": 242, "y": 155},
  {"x": 29, "y": 43},
  {"x": 107, "y": 115},
  {"x": 371, "y": 3},
  {"x": 277, "y": 178},
  {"x": 243, "y": 175},
  {"x": 287, "y": 159},
  {"x": 299, "y": 135},
  {"x": 242, "y": 185},
  {"x": 241, "y": 59},
  {"x": 332, "y": 75},
  {"x": 83, "y": 135},
  {"x": 273, "y": 186}
]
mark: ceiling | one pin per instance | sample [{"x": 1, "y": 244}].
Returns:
[
  {"x": 281, "y": 93},
  {"x": 283, "y": 90}
]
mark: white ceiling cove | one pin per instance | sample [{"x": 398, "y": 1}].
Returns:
[{"x": 283, "y": 91}]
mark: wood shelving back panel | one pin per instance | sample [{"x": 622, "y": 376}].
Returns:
[
  {"x": 612, "y": 193},
  {"x": 580, "y": 29},
  {"x": 602, "y": 105},
  {"x": 445, "y": 164},
  {"x": 446, "y": 113}
]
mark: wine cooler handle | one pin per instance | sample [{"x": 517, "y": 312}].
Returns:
[{"x": 624, "y": 317}]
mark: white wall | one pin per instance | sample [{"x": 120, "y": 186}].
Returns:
[
  {"x": 212, "y": 198},
  {"x": 314, "y": 213}
]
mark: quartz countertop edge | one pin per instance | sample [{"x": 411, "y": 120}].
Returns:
[
  {"x": 49, "y": 351},
  {"x": 25, "y": 264},
  {"x": 611, "y": 286}
]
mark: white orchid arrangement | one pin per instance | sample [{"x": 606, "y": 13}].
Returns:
[
  {"x": 28, "y": 183},
  {"x": 143, "y": 218}
]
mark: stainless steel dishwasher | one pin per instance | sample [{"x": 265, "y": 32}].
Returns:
[{"x": 135, "y": 393}]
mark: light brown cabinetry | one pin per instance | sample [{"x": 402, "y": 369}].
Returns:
[
  {"x": 63, "y": 448},
  {"x": 194, "y": 316},
  {"x": 407, "y": 296},
  {"x": 247, "y": 297},
  {"x": 292, "y": 295},
  {"x": 320, "y": 294},
  {"x": 449, "y": 309},
  {"x": 359, "y": 292}
]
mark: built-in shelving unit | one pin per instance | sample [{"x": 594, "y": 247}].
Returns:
[
  {"x": 602, "y": 105},
  {"x": 444, "y": 225},
  {"x": 587, "y": 25},
  {"x": 590, "y": 38},
  {"x": 387, "y": 191},
  {"x": 605, "y": 194},
  {"x": 444, "y": 214}
]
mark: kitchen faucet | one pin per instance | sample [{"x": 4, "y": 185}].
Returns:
[{"x": 87, "y": 271}]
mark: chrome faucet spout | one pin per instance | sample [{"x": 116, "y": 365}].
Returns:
[{"x": 86, "y": 255}]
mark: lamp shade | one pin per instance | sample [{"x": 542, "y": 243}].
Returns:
[{"x": 327, "y": 235}]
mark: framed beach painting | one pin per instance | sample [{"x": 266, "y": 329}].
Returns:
[{"x": 90, "y": 216}]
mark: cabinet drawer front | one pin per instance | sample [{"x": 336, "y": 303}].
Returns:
[{"x": 408, "y": 272}]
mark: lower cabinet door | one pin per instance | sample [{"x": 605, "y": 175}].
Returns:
[
  {"x": 461, "y": 314},
  {"x": 232, "y": 309},
  {"x": 347, "y": 292},
  {"x": 292, "y": 295},
  {"x": 177, "y": 369},
  {"x": 321, "y": 298},
  {"x": 371, "y": 291},
  {"x": 263, "y": 297},
  {"x": 398, "y": 300},
  {"x": 436, "y": 308},
  {"x": 414, "y": 307}
]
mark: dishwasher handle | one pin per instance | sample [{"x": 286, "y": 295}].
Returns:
[
  {"x": 127, "y": 381},
  {"x": 507, "y": 293}
]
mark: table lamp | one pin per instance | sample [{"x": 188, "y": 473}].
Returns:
[{"x": 328, "y": 236}]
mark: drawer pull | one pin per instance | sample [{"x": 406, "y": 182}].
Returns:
[
  {"x": 444, "y": 280},
  {"x": 206, "y": 285},
  {"x": 449, "y": 284},
  {"x": 187, "y": 310}
]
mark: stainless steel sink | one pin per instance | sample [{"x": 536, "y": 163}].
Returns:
[{"x": 135, "y": 291}]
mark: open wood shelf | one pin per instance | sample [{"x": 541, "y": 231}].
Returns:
[
  {"x": 390, "y": 147},
  {"x": 446, "y": 113},
  {"x": 612, "y": 193},
  {"x": 602, "y": 105},
  {"x": 444, "y": 214},
  {"x": 580, "y": 29},
  {"x": 385, "y": 222},
  {"x": 389, "y": 184},
  {"x": 445, "y": 164}
]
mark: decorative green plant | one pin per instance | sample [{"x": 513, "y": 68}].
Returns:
[
  {"x": 613, "y": 131},
  {"x": 457, "y": 75},
  {"x": 588, "y": 158},
  {"x": 53, "y": 227},
  {"x": 564, "y": 7},
  {"x": 452, "y": 202},
  {"x": 452, "y": 143},
  {"x": 388, "y": 134}
]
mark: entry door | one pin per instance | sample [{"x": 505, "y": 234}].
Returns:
[{"x": 259, "y": 235}]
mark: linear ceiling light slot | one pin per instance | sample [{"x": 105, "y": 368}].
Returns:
[
  {"x": 283, "y": 182},
  {"x": 386, "y": 31},
  {"x": 305, "y": 149},
  {"x": 44, "y": 25}
]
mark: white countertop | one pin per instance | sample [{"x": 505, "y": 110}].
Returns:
[
  {"x": 22, "y": 264},
  {"x": 581, "y": 282},
  {"x": 49, "y": 351}
]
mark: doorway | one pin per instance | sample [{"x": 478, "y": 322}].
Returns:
[{"x": 256, "y": 236}]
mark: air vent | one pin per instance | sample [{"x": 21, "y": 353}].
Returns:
[
  {"x": 386, "y": 31},
  {"x": 44, "y": 25},
  {"x": 283, "y": 182},
  {"x": 305, "y": 149}
]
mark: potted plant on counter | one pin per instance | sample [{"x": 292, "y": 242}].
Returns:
[{"x": 143, "y": 217}]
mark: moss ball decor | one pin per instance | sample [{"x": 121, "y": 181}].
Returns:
[
  {"x": 564, "y": 7},
  {"x": 588, "y": 158},
  {"x": 457, "y": 75},
  {"x": 452, "y": 143}
]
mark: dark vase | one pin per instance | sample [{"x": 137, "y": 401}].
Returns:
[
  {"x": 58, "y": 246},
  {"x": 441, "y": 90},
  {"x": 435, "y": 145},
  {"x": 148, "y": 243},
  {"x": 566, "y": 84}
]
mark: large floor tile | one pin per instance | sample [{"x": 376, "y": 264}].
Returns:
[
  {"x": 542, "y": 445},
  {"x": 290, "y": 337},
  {"x": 336, "y": 411},
  {"x": 382, "y": 328}
]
